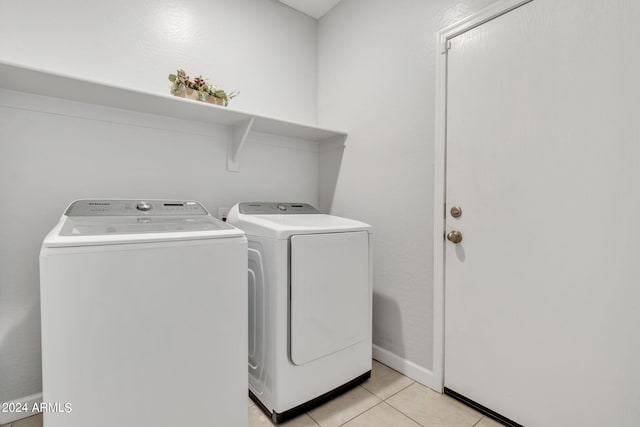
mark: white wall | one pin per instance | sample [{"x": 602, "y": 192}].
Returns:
[
  {"x": 377, "y": 79},
  {"x": 375, "y": 75},
  {"x": 53, "y": 151},
  {"x": 260, "y": 47}
]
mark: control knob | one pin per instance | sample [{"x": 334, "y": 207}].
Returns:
[{"x": 143, "y": 206}]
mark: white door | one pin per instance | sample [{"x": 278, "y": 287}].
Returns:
[{"x": 542, "y": 296}]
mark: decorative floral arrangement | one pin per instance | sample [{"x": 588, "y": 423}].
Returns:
[{"x": 198, "y": 89}]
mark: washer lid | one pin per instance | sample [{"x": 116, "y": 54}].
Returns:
[
  {"x": 97, "y": 222},
  {"x": 284, "y": 225}
]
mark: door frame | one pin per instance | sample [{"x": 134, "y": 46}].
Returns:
[{"x": 493, "y": 11}]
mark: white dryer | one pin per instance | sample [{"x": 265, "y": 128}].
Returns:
[
  {"x": 144, "y": 318},
  {"x": 309, "y": 305}
]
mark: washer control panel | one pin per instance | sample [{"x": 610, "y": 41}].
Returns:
[
  {"x": 135, "y": 208},
  {"x": 274, "y": 208}
]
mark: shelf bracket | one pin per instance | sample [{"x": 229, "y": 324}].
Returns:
[
  {"x": 239, "y": 134},
  {"x": 333, "y": 143}
]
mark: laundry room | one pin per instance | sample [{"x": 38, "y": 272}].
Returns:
[{"x": 420, "y": 193}]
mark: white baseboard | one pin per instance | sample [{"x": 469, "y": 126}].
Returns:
[
  {"x": 9, "y": 417},
  {"x": 412, "y": 370}
]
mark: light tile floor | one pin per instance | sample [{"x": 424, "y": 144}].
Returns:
[
  {"x": 34, "y": 421},
  {"x": 387, "y": 399}
]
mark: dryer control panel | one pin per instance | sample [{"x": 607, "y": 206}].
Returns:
[{"x": 275, "y": 208}]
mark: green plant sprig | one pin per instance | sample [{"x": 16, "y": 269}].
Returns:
[{"x": 181, "y": 82}]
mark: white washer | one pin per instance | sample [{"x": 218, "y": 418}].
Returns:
[
  {"x": 144, "y": 316},
  {"x": 309, "y": 305}
]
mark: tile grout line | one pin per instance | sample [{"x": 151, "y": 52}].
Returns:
[
  {"x": 482, "y": 417},
  {"x": 356, "y": 416},
  {"x": 478, "y": 422},
  {"x": 402, "y": 389},
  {"x": 407, "y": 415},
  {"x": 312, "y": 419},
  {"x": 362, "y": 413},
  {"x": 381, "y": 400},
  {"x": 400, "y": 412},
  {"x": 397, "y": 409}
]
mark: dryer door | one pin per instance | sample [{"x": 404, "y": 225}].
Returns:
[{"x": 330, "y": 293}]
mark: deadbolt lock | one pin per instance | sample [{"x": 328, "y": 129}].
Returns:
[
  {"x": 454, "y": 236},
  {"x": 456, "y": 211}
]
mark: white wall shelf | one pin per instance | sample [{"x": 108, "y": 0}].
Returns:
[{"x": 23, "y": 79}]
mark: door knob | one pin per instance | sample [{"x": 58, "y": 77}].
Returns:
[{"x": 454, "y": 236}]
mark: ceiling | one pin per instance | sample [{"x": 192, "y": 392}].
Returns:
[{"x": 314, "y": 8}]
